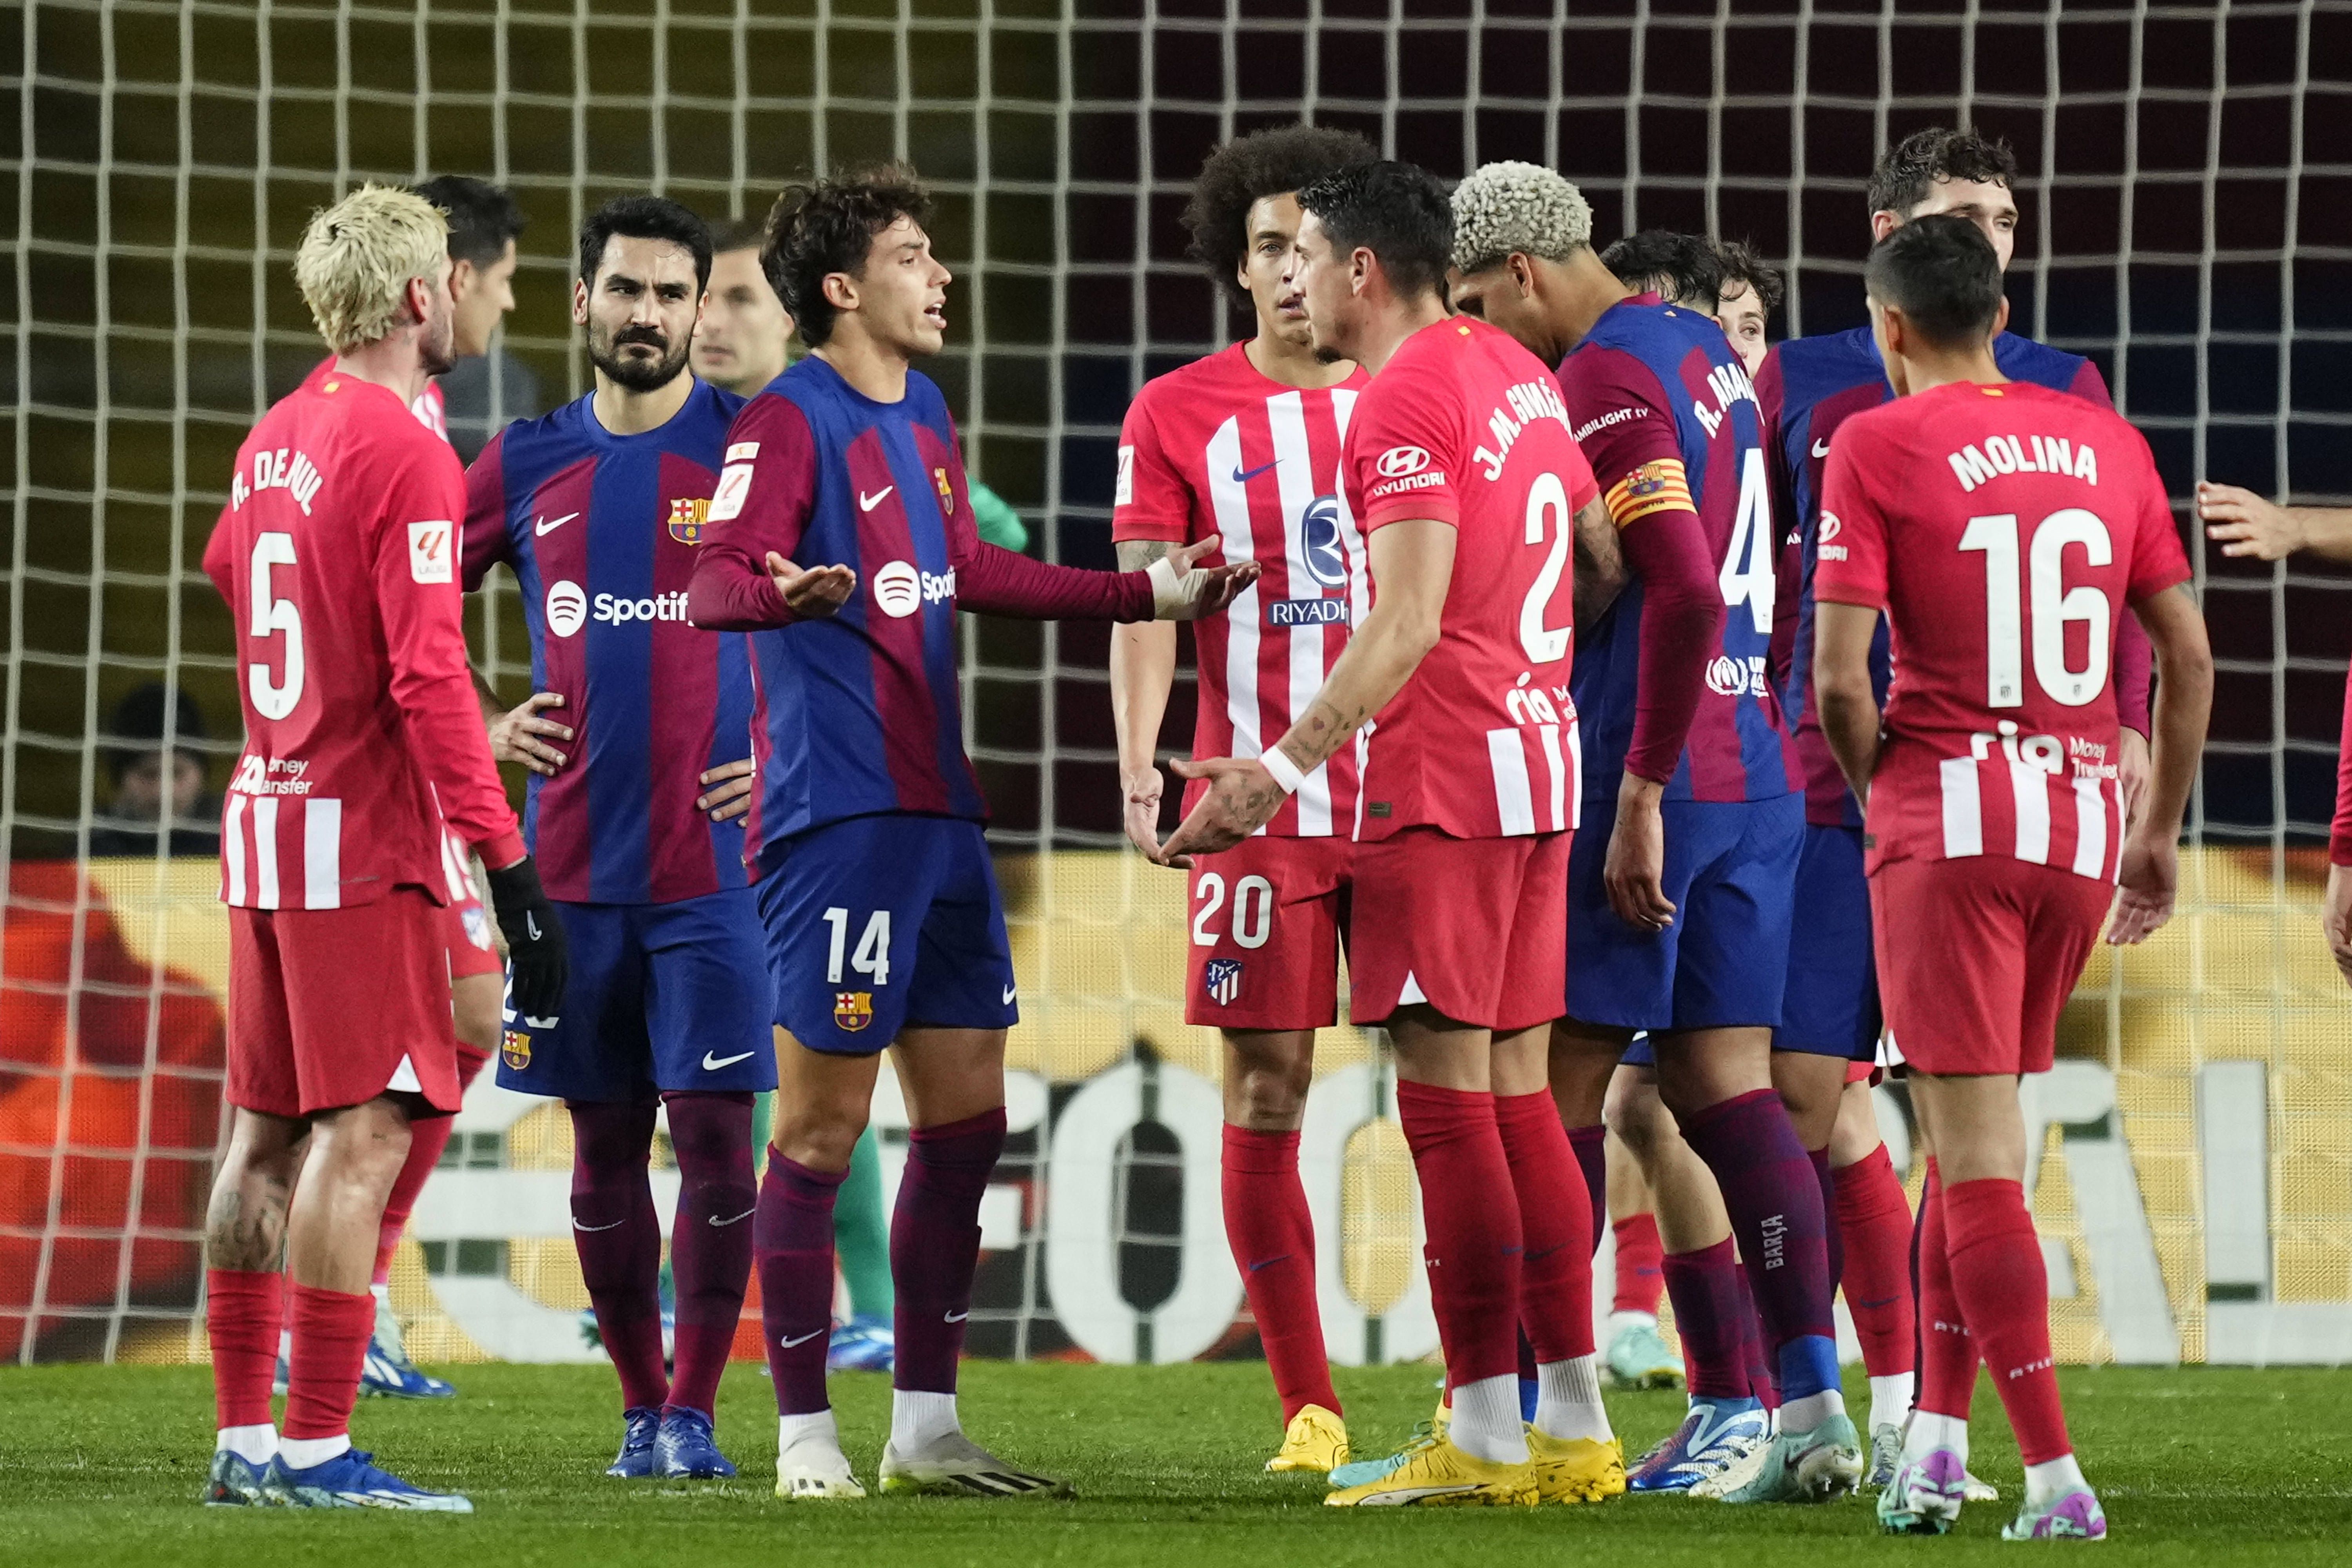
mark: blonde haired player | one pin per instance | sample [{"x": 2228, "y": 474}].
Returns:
[{"x": 337, "y": 556}]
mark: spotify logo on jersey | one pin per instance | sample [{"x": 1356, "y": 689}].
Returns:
[
  {"x": 898, "y": 589},
  {"x": 567, "y": 609}
]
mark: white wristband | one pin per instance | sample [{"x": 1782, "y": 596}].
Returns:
[{"x": 1285, "y": 772}]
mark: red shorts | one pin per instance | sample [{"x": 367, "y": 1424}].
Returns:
[
  {"x": 1976, "y": 957},
  {"x": 1478, "y": 927},
  {"x": 1268, "y": 916},
  {"x": 333, "y": 1007}
]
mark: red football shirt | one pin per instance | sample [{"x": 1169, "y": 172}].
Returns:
[
  {"x": 337, "y": 553},
  {"x": 1216, "y": 448},
  {"x": 2004, "y": 530},
  {"x": 1464, "y": 427}
]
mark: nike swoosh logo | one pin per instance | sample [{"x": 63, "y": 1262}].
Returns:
[
  {"x": 710, "y": 1066},
  {"x": 1547, "y": 1252},
  {"x": 530, "y": 924},
  {"x": 541, "y": 527},
  {"x": 958, "y": 1317},
  {"x": 592, "y": 1228},
  {"x": 1267, "y": 1264},
  {"x": 1883, "y": 1302},
  {"x": 868, "y": 502},
  {"x": 747, "y": 1213},
  {"x": 1241, "y": 478},
  {"x": 1821, "y": 449},
  {"x": 1010, "y": 992},
  {"x": 788, "y": 1342}
]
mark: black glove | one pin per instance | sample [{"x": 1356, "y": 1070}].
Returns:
[{"x": 538, "y": 958}]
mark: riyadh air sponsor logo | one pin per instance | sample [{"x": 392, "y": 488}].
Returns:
[
  {"x": 900, "y": 590},
  {"x": 1398, "y": 461},
  {"x": 567, "y": 608},
  {"x": 1288, "y": 613},
  {"x": 614, "y": 610},
  {"x": 1319, "y": 541}
]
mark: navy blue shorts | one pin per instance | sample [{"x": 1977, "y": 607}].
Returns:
[
  {"x": 662, "y": 996},
  {"x": 1730, "y": 873},
  {"x": 878, "y": 922},
  {"x": 1831, "y": 1005}
]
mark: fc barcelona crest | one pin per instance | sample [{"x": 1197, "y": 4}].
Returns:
[
  {"x": 514, "y": 1049},
  {"x": 947, "y": 492},
  {"x": 688, "y": 518},
  {"x": 851, "y": 1010}
]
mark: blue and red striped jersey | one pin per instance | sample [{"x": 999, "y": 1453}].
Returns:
[
  {"x": 1668, "y": 419},
  {"x": 1809, "y": 386},
  {"x": 602, "y": 531}
]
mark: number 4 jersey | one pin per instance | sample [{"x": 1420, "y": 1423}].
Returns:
[
  {"x": 2004, "y": 530},
  {"x": 338, "y": 556}
]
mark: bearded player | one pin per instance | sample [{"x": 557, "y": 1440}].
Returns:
[
  {"x": 884, "y": 925},
  {"x": 1679, "y": 916},
  {"x": 2002, "y": 529},
  {"x": 337, "y": 556},
  {"x": 1831, "y": 1023},
  {"x": 600, "y": 508},
  {"x": 1246, "y": 444},
  {"x": 1473, "y": 496}
]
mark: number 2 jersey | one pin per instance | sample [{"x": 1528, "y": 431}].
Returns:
[
  {"x": 2005, "y": 531},
  {"x": 337, "y": 555},
  {"x": 1669, "y": 421},
  {"x": 1216, "y": 448},
  {"x": 1464, "y": 427},
  {"x": 602, "y": 531}
]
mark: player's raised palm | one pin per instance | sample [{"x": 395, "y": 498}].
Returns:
[
  {"x": 1182, "y": 590},
  {"x": 811, "y": 593},
  {"x": 1241, "y": 797}
]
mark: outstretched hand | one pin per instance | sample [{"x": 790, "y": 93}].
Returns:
[
  {"x": 813, "y": 592},
  {"x": 1183, "y": 590},
  {"x": 1242, "y": 797},
  {"x": 2147, "y": 882}
]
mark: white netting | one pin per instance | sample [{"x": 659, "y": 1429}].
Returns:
[{"x": 2186, "y": 174}]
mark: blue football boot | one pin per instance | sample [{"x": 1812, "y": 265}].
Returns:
[
  {"x": 1716, "y": 1433},
  {"x": 861, "y": 1345},
  {"x": 237, "y": 1482},
  {"x": 387, "y": 1372},
  {"x": 350, "y": 1479},
  {"x": 638, "y": 1458},
  {"x": 685, "y": 1451}
]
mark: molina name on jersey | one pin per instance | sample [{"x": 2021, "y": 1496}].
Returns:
[
  {"x": 1465, "y": 428},
  {"x": 1668, "y": 419},
  {"x": 602, "y": 531},
  {"x": 2005, "y": 531},
  {"x": 1217, "y": 448}
]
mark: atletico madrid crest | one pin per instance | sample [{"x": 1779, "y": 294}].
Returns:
[
  {"x": 687, "y": 517},
  {"x": 514, "y": 1049},
  {"x": 1221, "y": 979},
  {"x": 947, "y": 492},
  {"x": 851, "y": 1010}
]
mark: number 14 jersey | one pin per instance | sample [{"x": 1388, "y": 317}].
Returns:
[{"x": 2004, "y": 530}]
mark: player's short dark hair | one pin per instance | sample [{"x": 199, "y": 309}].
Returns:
[
  {"x": 644, "y": 217},
  {"x": 828, "y": 226},
  {"x": 1914, "y": 164},
  {"x": 483, "y": 218},
  {"x": 1245, "y": 171},
  {"x": 1943, "y": 274},
  {"x": 1400, "y": 212},
  {"x": 1682, "y": 267},
  {"x": 737, "y": 234},
  {"x": 1743, "y": 267}
]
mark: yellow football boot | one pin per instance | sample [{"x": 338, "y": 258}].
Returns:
[
  {"x": 1439, "y": 1475},
  {"x": 1316, "y": 1440},
  {"x": 1576, "y": 1469}
]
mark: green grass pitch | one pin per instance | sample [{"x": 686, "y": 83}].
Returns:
[{"x": 101, "y": 1465}]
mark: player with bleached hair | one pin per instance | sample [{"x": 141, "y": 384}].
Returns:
[
  {"x": 337, "y": 555},
  {"x": 1679, "y": 917}
]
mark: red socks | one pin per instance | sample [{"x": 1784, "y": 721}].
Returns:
[
  {"x": 330, "y": 1341},
  {"x": 1874, "y": 1219},
  {"x": 428, "y": 1136},
  {"x": 1948, "y": 1356},
  {"x": 1273, "y": 1240},
  {"x": 243, "y": 1311},
  {"x": 1641, "y": 1264},
  {"x": 1555, "y": 1227},
  {"x": 1473, "y": 1238},
  {"x": 1995, "y": 1268}
]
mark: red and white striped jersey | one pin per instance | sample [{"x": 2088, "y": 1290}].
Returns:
[
  {"x": 337, "y": 555},
  {"x": 2005, "y": 531},
  {"x": 1465, "y": 428},
  {"x": 1216, "y": 448}
]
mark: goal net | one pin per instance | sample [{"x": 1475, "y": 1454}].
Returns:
[{"x": 2184, "y": 171}]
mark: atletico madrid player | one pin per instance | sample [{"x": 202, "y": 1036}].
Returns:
[
  {"x": 337, "y": 555},
  {"x": 1473, "y": 496},
  {"x": 2003, "y": 530},
  {"x": 1246, "y": 444}
]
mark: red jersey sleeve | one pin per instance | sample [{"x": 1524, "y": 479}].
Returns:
[
  {"x": 1850, "y": 568},
  {"x": 765, "y": 491},
  {"x": 1406, "y": 435},
  {"x": 1150, "y": 499},
  {"x": 486, "y": 543},
  {"x": 414, "y": 570}
]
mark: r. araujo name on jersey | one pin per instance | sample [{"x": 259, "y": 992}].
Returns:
[
  {"x": 1216, "y": 448},
  {"x": 1668, "y": 419},
  {"x": 602, "y": 531},
  {"x": 1809, "y": 386}
]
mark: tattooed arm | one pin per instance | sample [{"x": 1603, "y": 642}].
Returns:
[
  {"x": 1142, "y": 669},
  {"x": 1413, "y": 568}
]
